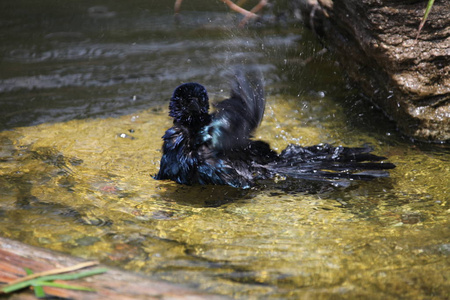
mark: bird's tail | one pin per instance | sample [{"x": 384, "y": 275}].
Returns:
[{"x": 327, "y": 163}]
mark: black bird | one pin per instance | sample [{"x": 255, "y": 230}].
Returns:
[{"x": 217, "y": 148}]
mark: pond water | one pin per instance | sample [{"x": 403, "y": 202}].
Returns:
[{"x": 84, "y": 90}]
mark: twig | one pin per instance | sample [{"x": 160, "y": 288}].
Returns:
[
  {"x": 233, "y": 6},
  {"x": 239, "y": 9},
  {"x": 254, "y": 10},
  {"x": 177, "y": 6}
]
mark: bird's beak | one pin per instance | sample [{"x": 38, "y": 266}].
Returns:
[{"x": 193, "y": 105}]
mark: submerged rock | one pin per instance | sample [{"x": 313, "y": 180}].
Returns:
[{"x": 376, "y": 43}]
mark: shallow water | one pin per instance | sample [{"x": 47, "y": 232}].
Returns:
[{"x": 84, "y": 94}]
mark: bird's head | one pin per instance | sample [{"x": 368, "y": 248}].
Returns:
[{"x": 189, "y": 105}]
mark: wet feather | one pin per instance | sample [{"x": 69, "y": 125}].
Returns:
[{"x": 204, "y": 148}]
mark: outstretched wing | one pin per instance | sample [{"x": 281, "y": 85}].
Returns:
[
  {"x": 237, "y": 117},
  {"x": 327, "y": 163}
]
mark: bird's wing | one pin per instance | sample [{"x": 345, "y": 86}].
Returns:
[
  {"x": 237, "y": 117},
  {"x": 327, "y": 163}
]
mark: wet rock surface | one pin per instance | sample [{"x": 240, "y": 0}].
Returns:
[{"x": 376, "y": 42}]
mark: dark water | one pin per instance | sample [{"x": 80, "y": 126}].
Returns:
[
  {"x": 83, "y": 93},
  {"x": 62, "y": 61}
]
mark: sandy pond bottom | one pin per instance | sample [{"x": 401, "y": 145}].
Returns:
[{"x": 84, "y": 187}]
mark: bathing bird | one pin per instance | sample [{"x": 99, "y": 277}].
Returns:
[{"x": 218, "y": 148}]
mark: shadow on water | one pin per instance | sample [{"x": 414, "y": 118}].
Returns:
[
  {"x": 216, "y": 196},
  {"x": 203, "y": 196}
]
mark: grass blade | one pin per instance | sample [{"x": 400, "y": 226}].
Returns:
[
  {"x": 23, "y": 284},
  {"x": 15, "y": 287},
  {"x": 425, "y": 16},
  {"x": 62, "y": 285},
  {"x": 56, "y": 271},
  {"x": 38, "y": 290},
  {"x": 73, "y": 276}
]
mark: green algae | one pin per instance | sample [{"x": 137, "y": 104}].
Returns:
[{"x": 85, "y": 187}]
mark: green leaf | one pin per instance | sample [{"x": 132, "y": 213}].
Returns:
[
  {"x": 15, "y": 287},
  {"x": 38, "y": 290},
  {"x": 74, "y": 275},
  {"x": 37, "y": 281},
  {"x": 62, "y": 286},
  {"x": 425, "y": 16}
]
